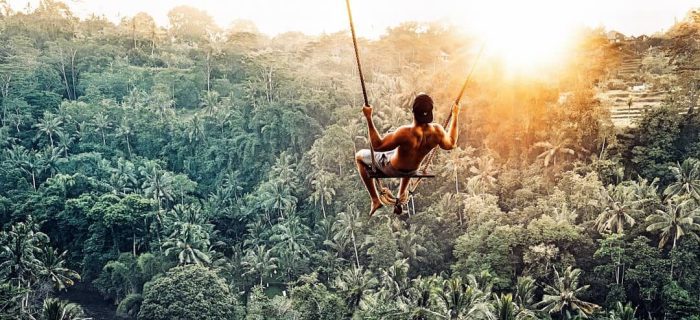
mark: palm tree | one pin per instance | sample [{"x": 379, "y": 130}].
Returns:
[
  {"x": 394, "y": 280},
  {"x": 277, "y": 197},
  {"x": 124, "y": 130},
  {"x": 189, "y": 246},
  {"x": 259, "y": 261},
  {"x": 560, "y": 144},
  {"x": 64, "y": 142},
  {"x": 101, "y": 123},
  {"x": 687, "y": 177},
  {"x": 457, "y": 161},
  {"x": 161, "y": 103},
  {"x": 55, "y": 309},
  {"x": 50, "y": 158},
  {"x": 322, "y": 191},
  {"x": 417, "y": 302},
  {"x": 345, "y": 227},
  {"x": 356, "y": 285},
  {"x": 21, "y": 245},
  {"x": 189, "y": 238},
  {"x": 53, "y": 268},
  {"x": 157, "y": 184},
  {"x": 675, "y": 221},
  {"x": 210, "y": 102},
  {"x": 49, "y": 125},
  {"x": 292, "y": 242},
  {"x": 409, "y": 244},
  {"x": 123, "y": 177},
  {"x": 505, "y": 309},
  {"x": 563, "y": 295},
  {"x": 623, "y": 312},
  {"x": 195, "y": 131},
  {"x": 31, "y": 163},
  {"x": 620, "y": 206},
  {"x": 460, "y": 300},
  {"x": 484, "y": 172},
  {"x": 644, "y": 191}
]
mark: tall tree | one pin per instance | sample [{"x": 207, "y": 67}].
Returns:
[
  {"x": 620, "y": 207},
  {"x": 345, "y": 228},
  {"x": 459, "y": 300},
  {"x": 50, "y": 125},
  {"x": 485, "y": 172},
  {"x": 189, "y": 237},
  {"x": 687, "y": 180},
  {"x": 101, "y": 124},
  {"x": 259, "y": 261},
  {"x": 564, "y": 295},
  {"x": 55, "y": 309},
  {"x": 559, "y": 144},
  {"x": 21, "y": 246},
  {"x": 457, "y": 160},
  {"x": 356, "y": 285},
  {"x": 675, "y": 221},
  {"x": 53, "y": 267}
]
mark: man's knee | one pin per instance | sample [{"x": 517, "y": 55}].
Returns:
[{"x": 361, "y": 155}]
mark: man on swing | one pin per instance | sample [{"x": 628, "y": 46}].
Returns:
[{"x": 399, "y": 153}]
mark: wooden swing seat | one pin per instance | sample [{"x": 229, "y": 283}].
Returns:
[{"x": 418, "y": 174}]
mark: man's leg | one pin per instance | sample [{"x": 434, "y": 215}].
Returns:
[
  {"x": 369, "y": 182},
  {"x": 402, "y": 190}
]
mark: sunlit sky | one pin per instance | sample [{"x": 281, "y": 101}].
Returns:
[
  {"x": 372, "y": 17},
  {"x": 526, "y": 35}
]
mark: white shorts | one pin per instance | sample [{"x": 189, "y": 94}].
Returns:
[{"x": 383, "y": 160}]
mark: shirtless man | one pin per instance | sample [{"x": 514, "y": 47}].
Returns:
[{"x": 399, "y": 154}]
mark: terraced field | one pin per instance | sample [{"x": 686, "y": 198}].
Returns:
[{"x": 628, "y": 104}]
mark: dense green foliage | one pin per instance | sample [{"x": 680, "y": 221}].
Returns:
[
  {"x": 187, "y": 292},
  {"x": 194, "y": 172}
]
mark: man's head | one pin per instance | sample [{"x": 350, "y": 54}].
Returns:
[{"x": 423, "y": 108}]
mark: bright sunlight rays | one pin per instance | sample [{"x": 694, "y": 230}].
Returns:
[{"x": 522, "y": 36}]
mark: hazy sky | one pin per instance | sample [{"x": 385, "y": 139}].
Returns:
[{"x": 374, "y": 16}]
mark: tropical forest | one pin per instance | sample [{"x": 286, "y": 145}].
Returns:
[{"x": 190, "y": 170}]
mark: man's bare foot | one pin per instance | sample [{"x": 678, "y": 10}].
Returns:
[
  {"x": 376, "y": 204},
  {"x": 397, "y": 208}
]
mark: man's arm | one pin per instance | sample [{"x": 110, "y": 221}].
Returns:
[
  {"x": 449, "y": 138},
  {"x": 389, "y": 142}
]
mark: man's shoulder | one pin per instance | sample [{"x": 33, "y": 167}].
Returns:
[{"x": 434, "y": 127}]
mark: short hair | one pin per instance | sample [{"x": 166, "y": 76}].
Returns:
[{"x": 423, "y": 108}]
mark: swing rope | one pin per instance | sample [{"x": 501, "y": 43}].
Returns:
[
  {"x": 385, "y": 194},
  {"x": 362, "y": 81},
  {"x": 427, "y": 162}
]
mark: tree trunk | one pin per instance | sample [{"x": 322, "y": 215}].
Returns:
[
  {"x": 323, "y": 207},
  {"x": 72, "y": 72},
  {"x": 671, "y": 257},
  {"x": 128, "y": 145},
  {"x": 5, "y": 92},
  {"x": 354, "y": 245},
  {"x": 456, "y": 182},
  {"x": 208, "y": 71},
  {"x": 65, "y": 75}
]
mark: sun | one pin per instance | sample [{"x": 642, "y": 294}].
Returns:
[{"x": 529, "y": 37}]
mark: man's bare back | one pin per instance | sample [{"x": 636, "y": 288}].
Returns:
[
  {"x": 411, "y": 144},
  {"x": 414, "y": 143}
]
